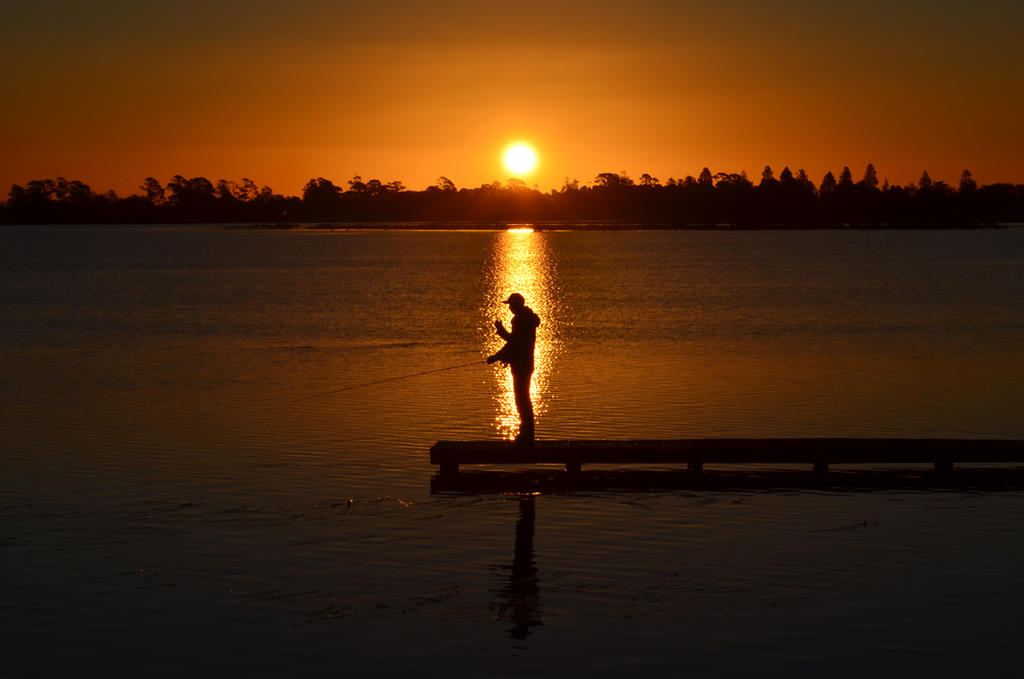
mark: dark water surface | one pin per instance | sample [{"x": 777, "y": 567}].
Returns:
[{"x": 194, "y": 480}]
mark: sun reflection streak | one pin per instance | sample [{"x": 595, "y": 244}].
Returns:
[{"x": 521, "y": 262}]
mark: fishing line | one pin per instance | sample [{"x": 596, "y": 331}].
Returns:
[{"x": 386, "y": 379}]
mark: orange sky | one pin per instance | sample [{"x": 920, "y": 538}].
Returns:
[{"x": 111, "y": 92}]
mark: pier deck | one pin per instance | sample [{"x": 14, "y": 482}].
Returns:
[{"x": 695, "y": 453}]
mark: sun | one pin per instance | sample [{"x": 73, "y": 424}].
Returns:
[{"x": 520, "y": 158}]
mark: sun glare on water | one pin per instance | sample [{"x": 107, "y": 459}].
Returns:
[{"x": 520, "y": 158}]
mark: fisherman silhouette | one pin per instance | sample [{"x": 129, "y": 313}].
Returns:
[{"x": 518, "y": 355}]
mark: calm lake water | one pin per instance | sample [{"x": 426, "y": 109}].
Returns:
[{"x": 207, "y": 469}]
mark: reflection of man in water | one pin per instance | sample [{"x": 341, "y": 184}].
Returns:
[
  {"x": 518, "y": 354},
  {"x": 522, "y": 590}
]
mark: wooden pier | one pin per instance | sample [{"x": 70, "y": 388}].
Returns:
[{"x": 695, "y": 453}]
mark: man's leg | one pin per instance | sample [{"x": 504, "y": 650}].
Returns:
[{"x": 521, "y": 387}]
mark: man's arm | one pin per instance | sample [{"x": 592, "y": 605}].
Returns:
[
  {"x": 502, "y": 356},
  {"x": 502, "y": 332}
]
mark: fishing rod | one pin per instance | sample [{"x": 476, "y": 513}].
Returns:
[{"x": 386, "y": 379}]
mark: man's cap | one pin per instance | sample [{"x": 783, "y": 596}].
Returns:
[{"x": 515, "y": 298}]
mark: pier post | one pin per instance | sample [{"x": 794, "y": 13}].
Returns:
[
  {"x": 821, "y": 467},
  {"x": 943, "y": 466},
  {"x": 572, "y": 467},
  {"x": 695, "y": 466},
  {"x": 449, "y": 468}
]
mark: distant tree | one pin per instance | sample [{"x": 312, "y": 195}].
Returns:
[
  {"x": 767, "y": 176},
  {"x": 73, "y": 192},
  {"x": 445, "y": 184},
  {"x": 226, "y": 190},
  {"x": 319, "y": 189},
  {"x": 786, "y": 177},
  {"x": 611, "y": 179},
  {"x": 191, "y": 195},
  {"x": 967, "y": 183},
  {"x": 925, "y": 182},
  {"x": 570, "y": 186},
  {"x": 828, "y": 184},
  {"x": 394, "y": 187},
  {"x": 731, "y": 179},
  {"x": 247, "y": 191},
  {"x": 321, "y": 199},
  {"x": 17, "y": 196},
  {"x": 153, "y": 191},
  {"x": 41, "y": 191},
  {"x": 705, "y": 178},
  {"x": 648, "y": 181},
  {"x": 870, "y": 177},
  {"x": 804, "y": 180},
  {"x": 356, "y": 185},
  {"x": 845, "y": 178}
]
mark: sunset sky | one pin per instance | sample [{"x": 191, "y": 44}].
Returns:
[{"x": 110, "y": 92}]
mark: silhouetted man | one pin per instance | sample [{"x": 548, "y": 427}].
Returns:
[{"x": 518, "y": 354}]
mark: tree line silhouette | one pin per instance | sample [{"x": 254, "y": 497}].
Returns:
[{"x": 789, "y": 200}]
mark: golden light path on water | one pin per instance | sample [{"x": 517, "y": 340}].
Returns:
[{"x": 521, "y": 262}]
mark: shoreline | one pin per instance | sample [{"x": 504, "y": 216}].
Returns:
[{"x": 597, "y": 225}]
